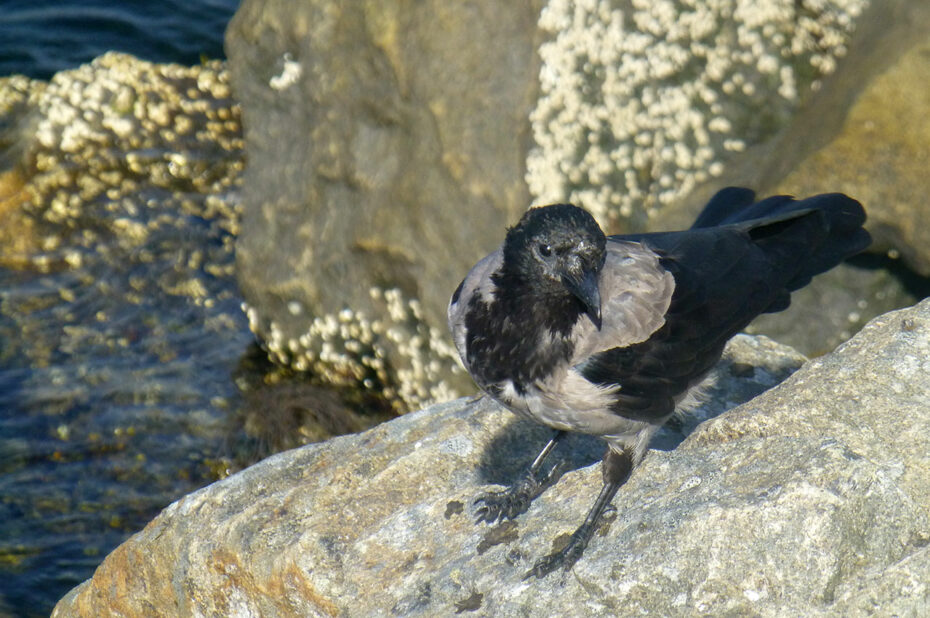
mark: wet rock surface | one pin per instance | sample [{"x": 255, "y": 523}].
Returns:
[
  {"x": 810, "y": 498},
  {"x": 128, "y": 375}
]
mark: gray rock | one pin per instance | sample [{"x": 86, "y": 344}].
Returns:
[
  {"x": 375, "y": 131},
  {"x": 810, "y": 499}
]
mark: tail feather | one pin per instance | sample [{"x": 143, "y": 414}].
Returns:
[
  {"x": 723, "y": 205},
  {"x": 826, "y": 229},
  {"x": 794, "y": 241}
]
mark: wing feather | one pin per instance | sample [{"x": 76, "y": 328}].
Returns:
[{"x": 635, "y": 294}]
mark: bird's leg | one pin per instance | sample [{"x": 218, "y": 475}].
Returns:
[
  {"x": 616, "y": 468},
  {"x": 507, "y": 504}
]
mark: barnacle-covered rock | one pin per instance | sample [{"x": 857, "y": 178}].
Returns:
[
  {"x": 118, "y": 146},
  {"x": 643, "y": 101},
  {"x": 394, "y": 353},
  {"x": 120, "y": 182}
]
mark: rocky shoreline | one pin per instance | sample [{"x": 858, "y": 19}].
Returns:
[
  {"x": 120, "y": 317},
  {"x": 388, "y": 149}
]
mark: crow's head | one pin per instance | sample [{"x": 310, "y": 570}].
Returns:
[{"x": 559, "y": 250}]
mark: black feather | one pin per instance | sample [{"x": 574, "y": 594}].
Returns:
[
  {"x": 723, "y": 204},
  {"x": 725, "y": 276}
]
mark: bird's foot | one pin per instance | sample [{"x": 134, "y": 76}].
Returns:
[
  {"x": 509, "y": 503},
  {"x": 564, "y": 558}
]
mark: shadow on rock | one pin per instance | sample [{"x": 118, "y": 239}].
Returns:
[{"x": 518, "y": 442}]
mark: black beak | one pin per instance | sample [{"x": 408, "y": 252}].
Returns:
[{"x": 582, "y": 282}]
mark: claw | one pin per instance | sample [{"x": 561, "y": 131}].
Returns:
[
  {"x": 501, "y": 505},
  {"x": 516, "y": 499},
  {"x": 555, "y": 473},
  {"x": 509, "y": 503},
  {"x": 565, "y": 558},
  {"x": 489, "y": 512}
]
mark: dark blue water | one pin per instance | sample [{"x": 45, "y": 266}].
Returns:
[
  {"x": 41, "y": 37},
  {"x": 114, "y": 400}
]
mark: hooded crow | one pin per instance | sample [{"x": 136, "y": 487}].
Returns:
[{"x": 608, "y": 335}]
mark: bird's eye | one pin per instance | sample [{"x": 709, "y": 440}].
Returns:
[{"x": 545, "y": 250}]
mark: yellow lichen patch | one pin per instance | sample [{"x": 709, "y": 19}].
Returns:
[{"x": 292, "y": 590}]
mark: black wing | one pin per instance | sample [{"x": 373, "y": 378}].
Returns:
[{"x": 724, "y": 277}]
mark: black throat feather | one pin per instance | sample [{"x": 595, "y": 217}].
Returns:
[{"x": 522, "y": 335}]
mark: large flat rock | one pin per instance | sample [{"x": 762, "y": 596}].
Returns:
[{"x": 808, "y": 499}]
